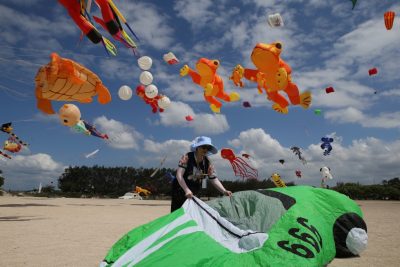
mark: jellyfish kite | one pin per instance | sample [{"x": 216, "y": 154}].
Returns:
[
  {"x": 297, "y": 152},
  {"x": 326, "y": 145},
  {"x": 240, "y": 166}
]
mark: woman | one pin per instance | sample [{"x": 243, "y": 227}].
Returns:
[{"x": 193, "y": 168}]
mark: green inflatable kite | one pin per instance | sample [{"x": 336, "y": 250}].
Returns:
[{"x": 291, "y": 226}]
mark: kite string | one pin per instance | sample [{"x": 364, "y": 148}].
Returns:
[{"x": 21, "y": 61}]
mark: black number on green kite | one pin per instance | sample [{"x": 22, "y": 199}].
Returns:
[{"x": 314, "y": 239}]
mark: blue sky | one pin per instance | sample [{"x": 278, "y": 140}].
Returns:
[{"x": 325, "y": 42}]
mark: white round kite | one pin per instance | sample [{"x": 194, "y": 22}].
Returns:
[
  {"x": 146, "y": 78},
  {"x": 164, "y": 102},
  {"x": 151, "y": 91},
  {"x": 125, "y": 92},
  {"x": 145, "y": 63}
]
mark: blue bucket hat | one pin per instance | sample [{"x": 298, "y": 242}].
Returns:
[{"x": 203, "y": 140}]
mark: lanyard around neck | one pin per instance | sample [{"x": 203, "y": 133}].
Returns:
[{"x": 198, "y": 164}]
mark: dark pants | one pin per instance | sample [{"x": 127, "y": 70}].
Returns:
[{"x": 178, "y": 195}]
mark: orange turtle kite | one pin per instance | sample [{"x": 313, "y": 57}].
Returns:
[
  {"x": 65, "y": 80},
  {"x": 273, "y": 75}
]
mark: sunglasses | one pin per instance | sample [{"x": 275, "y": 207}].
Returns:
[{"x": 206, "y": 147}]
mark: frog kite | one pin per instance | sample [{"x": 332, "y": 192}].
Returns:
[
  {"x": 213, "y": 85},
  {"x": 273, "y": 75}
]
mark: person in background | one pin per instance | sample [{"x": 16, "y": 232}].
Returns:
[{"x": 193, "y": 167}]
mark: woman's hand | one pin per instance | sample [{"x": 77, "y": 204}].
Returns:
[
  {"x": 189, "y": 194},
  {"x": 228, "y": 193}
]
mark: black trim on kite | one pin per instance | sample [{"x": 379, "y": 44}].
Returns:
[
  {"x": 341, "y": 228},
  {"x": 94, "y": 36},
  {"x": 287, "y": 201}
]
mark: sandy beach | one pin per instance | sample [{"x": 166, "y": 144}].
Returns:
[{"x": 51, "y": 232}]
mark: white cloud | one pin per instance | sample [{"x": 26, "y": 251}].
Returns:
[
  {"x": 352, "y": 115},
  {"x": 37, "y": 31},
  {"x": 203, "y": 123},
  {"x": 197, "y": 13},
  {"x": 150, "y": 24},
  {"x": 390, "y": 93},
  {"x": 122, "y": 136},
  {"x": 171, "y": 149},
  {"x": 25, "y": 172}
]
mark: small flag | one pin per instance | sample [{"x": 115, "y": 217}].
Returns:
[
  {"x": 373, "y": 71},
  {"x": 389, "y": 19},
  {"x": 170, "y": 58},
  {"x": 246, "y": 104},
  {"x": 275, "y": 20},
  {"x": 329, "y": 90}
]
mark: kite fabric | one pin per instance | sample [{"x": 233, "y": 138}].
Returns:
[
  {"x": 329, "y": 90},
  {"x": 389, "y": 19},
  {"x": 272, "y": 75},
  {"x": 373, "y": 71},
  {"x": 63, "y": 79},
  {"x": 206, "y": 71},
  {"x": 297, "y": 225},
  {"x": 239, "y": 166}
]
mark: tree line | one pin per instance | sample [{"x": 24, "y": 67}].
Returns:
[{"x": 112, "y": 182}]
